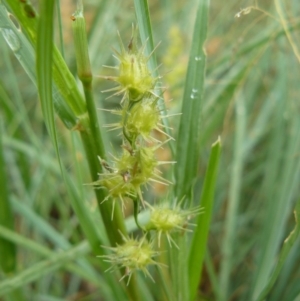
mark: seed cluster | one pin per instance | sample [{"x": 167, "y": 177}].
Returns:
[
  {"x": 137, "y": 165},
  {"x": 139, "y": 117}
]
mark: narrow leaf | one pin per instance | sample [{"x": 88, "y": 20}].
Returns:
[
  {"x": 199, "y": 241},
  {"x": 24, "y": 52},
  {"x": 63, "y": 78},
  {"x": 189, "y": 129},
  {"x": 7, "y": 249},
  {"x": 145, "y": 29},
  {"x": 44, "y": 66},
  {"x": 233, "y": 198},
  {"x": 288, "y": 244},
  {"x": 43, "y": 268},
  {"x": 44, "y": 79}
]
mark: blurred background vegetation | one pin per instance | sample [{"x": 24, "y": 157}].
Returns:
[{"x": 251, "y": 101}]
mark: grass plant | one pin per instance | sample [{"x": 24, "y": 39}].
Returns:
[{"x": 128, "y": 194}]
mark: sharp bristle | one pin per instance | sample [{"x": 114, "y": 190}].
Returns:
[
  {"x": 166, "y": 162},
  {"x": 116, "y": 94},
  {"x": 111, "y": 90},
  {"x": 121, "y": 43},
  {"x": 164, "y": 126},
  {"x": 116, "y": 112},
  {"x": 109, "y": 125},
  {"x": 110, "y": 67},
  {"x": 163, "y": 179},
  {"x": 159, "y": 182},
  {"x": 155, "y": 95},
  {"x": 151, "y": 53},
  {"x": 170, "y": 137},
  {"x": 157, "y": 67},
  {"x": 144, "y": 45},
  {"x": 170, "y": 115},
  {"x": 117, "y": 56}
]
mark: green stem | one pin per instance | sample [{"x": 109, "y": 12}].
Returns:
[
  {"x": 90, "y": 132},
  {"x": 136, "y": 213},
  {"x": 93, "y": 143},
  {"x": 94, "y": 147},
  {"x": 115, "y": 223},
  {"x": 165, "y": 283}
]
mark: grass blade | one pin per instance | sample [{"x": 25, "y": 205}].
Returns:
[
  {"x": 68, "y": 88},
  {"x": 43, "y": 268},
  {"x": 64, "y": 80},
  {"x": 24, "y": 52},
  {"x": 234, "y": 198},
  {"x": 288, "y": 244},
  {"x": 199, "y": 240},
  {"x": 44, "y": 72},
  {"x": 7, "y": 249},
  {"x": 44, "y": 66},
  {"x": 43, "y": 228},
  {"x": 267, "y": 35},
  {"x": 189, "y": 128},
  {"x": 77, "y": 268},
  {"x": 145, "y": 29},
  {"x": 282, "y": 181}
]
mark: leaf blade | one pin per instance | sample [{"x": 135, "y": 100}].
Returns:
[
  {"x": 188, "y": 136},
  {"x": 199, "y": 240},
  {"x": 7, "y": 249}
]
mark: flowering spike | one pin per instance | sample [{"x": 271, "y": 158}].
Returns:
[
  {"x": 141, "y": 119},
  {"x": 133, "y": 255},
  {"x": 134, "y": 78},
  {"x": 166, "y": 220}
]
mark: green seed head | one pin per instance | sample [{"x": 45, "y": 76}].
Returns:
[
  {"x": 139, "y": 165},
  {"x": 134, "y": 255},
  {"x": 115, "y": 185},
  {"x": 166, "y": 220},
  {"x": 134, "y": 75},
  {"x": 141, "y": 119},
  {"x": 133, "y": 169}
]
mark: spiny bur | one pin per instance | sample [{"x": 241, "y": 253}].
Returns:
[
  {"x": 166, "y": 220},
  {"x": 133, "y": 255},
  {"x": 134, "y": 78}
]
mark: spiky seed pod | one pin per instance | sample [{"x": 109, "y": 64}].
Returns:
[
  {"x": 116, "y": 186},
  {"x": 141, "y": 119},
  {"x": 140, "y": 165},
  {"x": 133, "y": 255},
  {"x": 166, "y": 220},
  {"x": 134, "y": 75},
  {"x": 134, "y": 78},
  {"x": 147, "y": 163},
  {"x": 132, "y": 170}
]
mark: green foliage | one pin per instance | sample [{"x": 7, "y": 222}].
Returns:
[{"x": 94, "y": 214}]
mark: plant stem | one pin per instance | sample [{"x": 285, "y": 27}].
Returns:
[
  {"x": 93, "y": 143},
  {"x": 89, "y": 128}
]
